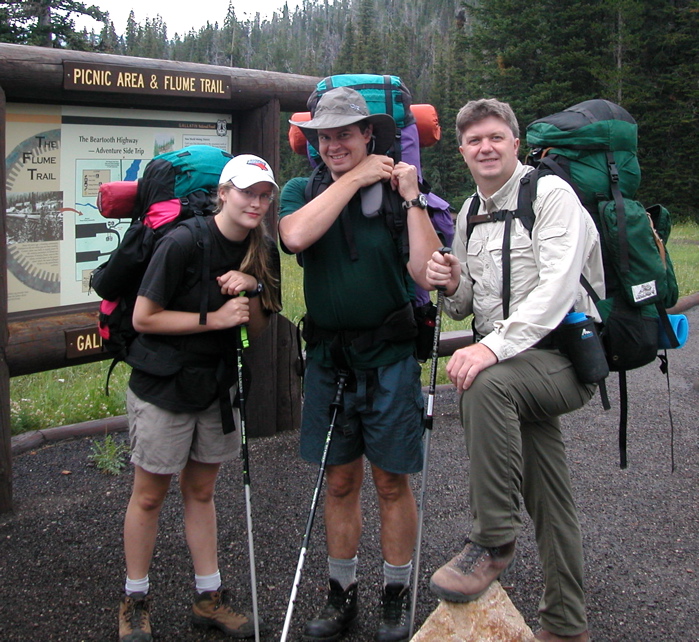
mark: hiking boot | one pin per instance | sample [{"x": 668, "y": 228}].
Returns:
[
  {"x": 395, "y": 624},
  {"x": 546, "y": 636},
  {"x": 339, "y": 613},
  {"x": 212, "y": 610},
  {"x": 468, "y": 575},
  {"x": 134, "y": 618}
]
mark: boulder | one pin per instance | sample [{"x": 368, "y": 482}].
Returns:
[{"x": 490, "y": 618}]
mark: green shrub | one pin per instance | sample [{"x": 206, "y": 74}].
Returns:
[{"x": 109, "y": 455}]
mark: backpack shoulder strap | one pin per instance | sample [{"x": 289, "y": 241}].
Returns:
[
  {"x": 472, "y": 212},
  {"x": 199, "y": 227},
  {"x": 318, "y": 182},
  {"x": 526, "y": 198},
  {"x": 396, "y": 217},
  {"x": 524, "y": 211},
  {"x": 394, "y": 214}
]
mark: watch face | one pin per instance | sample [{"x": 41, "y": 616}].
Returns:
[{"x": 420, "y": 201}]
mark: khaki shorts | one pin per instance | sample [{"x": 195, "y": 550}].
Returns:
[{"x": 162, "y": 441}]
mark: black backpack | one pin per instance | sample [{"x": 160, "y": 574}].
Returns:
[{"x": 175, "y": 187}]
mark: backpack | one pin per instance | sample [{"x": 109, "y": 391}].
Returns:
[
  {"x": 383, "y": 95},
  {"x": 175, "y": 186},
  {"x": 416, "y": 126},
  {"x": 592, "y": 146}
]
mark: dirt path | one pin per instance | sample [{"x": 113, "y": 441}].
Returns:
[{"x": 62, "y": 566}]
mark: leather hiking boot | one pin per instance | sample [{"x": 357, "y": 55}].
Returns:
[
  {"x": 468, "y": 575},
  {"x": 339, "y": 613},
  {"x": 395, "y": 625},
  {"x": 212, "y": 610},
  {"x": 134, "y": 618},
  {"x": 547, "y": 636}
]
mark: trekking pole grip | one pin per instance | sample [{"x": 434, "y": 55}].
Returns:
[{"x": 443, "y": 250}]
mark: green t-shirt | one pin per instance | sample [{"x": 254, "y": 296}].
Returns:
[{"x": 346, "y": 294}]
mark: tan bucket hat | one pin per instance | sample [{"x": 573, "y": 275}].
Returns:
[{"x": 345, "y": 106}]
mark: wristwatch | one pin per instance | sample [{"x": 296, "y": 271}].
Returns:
[
  {"x": 257, "y": 291},
  {"x": 420, "y": 201}
]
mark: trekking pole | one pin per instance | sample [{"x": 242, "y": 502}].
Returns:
[
  {"x": 243, "y": 343},
  {"x": 429, "y": 417},
  {"x": 335, "y": 406}
]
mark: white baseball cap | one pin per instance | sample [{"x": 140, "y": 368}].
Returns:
[{"x": 246, "y": 170}]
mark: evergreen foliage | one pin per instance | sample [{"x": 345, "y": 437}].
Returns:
[
  {"x": 46, "y": 23},
  {"x": 541, "y": 56}
]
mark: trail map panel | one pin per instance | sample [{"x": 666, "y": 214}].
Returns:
[{"x": 57, "y": 159}]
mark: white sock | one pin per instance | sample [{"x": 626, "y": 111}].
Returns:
[
  {"x": 136, "y": 586},
  {"x": 208, "y": 582},
  {"x": 397, "y": 574},
  {"x": 343, "y": 571}
]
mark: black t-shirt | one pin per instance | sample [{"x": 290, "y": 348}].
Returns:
[{"x": 173, "y": 280}]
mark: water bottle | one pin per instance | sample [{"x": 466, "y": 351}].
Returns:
[{"x": 580, "y": 342}]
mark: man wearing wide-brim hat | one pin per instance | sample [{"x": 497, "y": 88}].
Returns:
[{"x": 356, "y": 284}]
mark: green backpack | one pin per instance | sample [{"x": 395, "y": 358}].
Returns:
[{"x": 592, "y": 146}]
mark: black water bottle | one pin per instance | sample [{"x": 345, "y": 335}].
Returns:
[{"x": 580, "y": 342}]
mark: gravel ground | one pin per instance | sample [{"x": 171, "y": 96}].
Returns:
[{"x": 62, "y": 567}]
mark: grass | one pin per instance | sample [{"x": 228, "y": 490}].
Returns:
[
  {"x": 684, "y": 249},
  {"x": 66, "y": 396},
  {"x": 76, "y": 394}
]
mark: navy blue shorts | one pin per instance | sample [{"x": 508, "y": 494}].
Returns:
[{"x": 382, "y": 419}]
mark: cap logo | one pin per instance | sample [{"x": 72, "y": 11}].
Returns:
[
  {"x": 258, "y": 163},
  {"x": 355, "y": 107}
]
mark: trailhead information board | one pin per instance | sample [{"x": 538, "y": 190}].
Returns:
[{"x": 57, "y": 157}]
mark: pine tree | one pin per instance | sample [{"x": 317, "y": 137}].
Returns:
[
  {"x": 46, "y": 23},
  {"x": 367, "y": 58}
]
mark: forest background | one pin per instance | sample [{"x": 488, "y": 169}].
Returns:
[{"x": 540, "y": 56}]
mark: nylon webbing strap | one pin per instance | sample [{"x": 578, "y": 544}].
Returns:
[
  {"x": 623, "y": 418},
  {"x": 620, "y": 213},
  {"x": 506, "y": 265},
  {"x": 589, "y": 289},
  {"x": 665, "y": 369},
  {"x": 555, "y": 167},
  {"x": 664, "y": 320},
  {"x": 204, "y": 240},
  {"x": 388, "y": 90}
]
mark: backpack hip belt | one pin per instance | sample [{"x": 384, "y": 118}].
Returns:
[{"x": 397, "y": 327}]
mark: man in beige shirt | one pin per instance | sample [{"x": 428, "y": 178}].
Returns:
[{"x": 514, "y": 384}]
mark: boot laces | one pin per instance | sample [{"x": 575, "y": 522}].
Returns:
[
  {"x": 137, "y": 613},
  {"x": 393, "y": 610},
  {"x": 222, "y": 601},
  {"x": 471, "y": 556},
  {"x": 338, "y": 601}
]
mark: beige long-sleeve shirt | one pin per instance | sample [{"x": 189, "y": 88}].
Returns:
[{"x": 545, "y": 272}]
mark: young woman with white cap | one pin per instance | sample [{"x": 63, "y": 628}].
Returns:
[{"x": 181, "y": 389}]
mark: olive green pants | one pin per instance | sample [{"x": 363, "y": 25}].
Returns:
[{"x": 513, "y": 436}]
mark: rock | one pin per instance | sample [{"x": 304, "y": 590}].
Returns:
[{"x": 491, "y": 618}]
